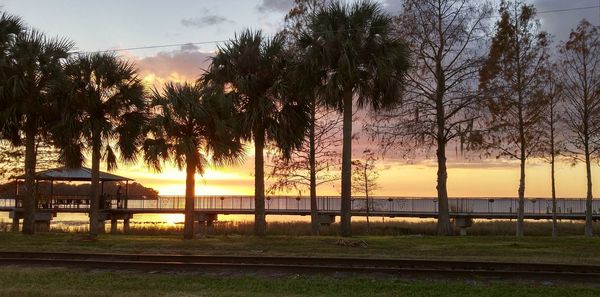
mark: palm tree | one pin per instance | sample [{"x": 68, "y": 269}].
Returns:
[
  {"x": 252, "y": 69},
  {"x": 31, "y": 67},
  {"x": 10, "y": 26},
  {"x": 191, "y": 129},
  {"x": 353, "y": 52},
  {"x": 106, "y": 112}
]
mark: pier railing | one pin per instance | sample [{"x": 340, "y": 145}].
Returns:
[{"x": 293, "y": 204}]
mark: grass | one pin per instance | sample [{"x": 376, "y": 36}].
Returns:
[
  {"x": 571, "y": 249},
  {"x": 289, "y": 239},
  {"x": 51, "y": 282},
  {"x": 388, "y": 228}
]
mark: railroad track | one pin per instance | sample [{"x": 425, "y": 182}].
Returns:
[{"x": 309, "y": 265}]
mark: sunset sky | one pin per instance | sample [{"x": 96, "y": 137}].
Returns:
[{"x": 130, "y": 24}]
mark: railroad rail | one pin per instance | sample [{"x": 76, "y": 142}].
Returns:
[{"x": 311, "y": 265}]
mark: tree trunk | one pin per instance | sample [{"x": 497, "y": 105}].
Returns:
[
  {"x": 552, "y": 177},
  {"x": 554, "y": 221},
  {"x": 443, "y": 221},
  {"x": 366, "y": 177},
  {"x": 314, "y": 211},
  {"x": 443, "y": 224},
  {"x": 29, "y": 203},
  {"x": 260, "y": 224},
  {"x": 521, "y": 207},
  {"x": 346, "y": 201},
  {"x": 588, "y": 202},
  {"x": 522, "y": 159},
  {"x": 522, "y": 142},
  {"x": 190, "y": 193},
  {"x": 95, "y": 184}
]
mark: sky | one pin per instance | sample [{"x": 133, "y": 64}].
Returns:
[{"x": 130, "y": 24}]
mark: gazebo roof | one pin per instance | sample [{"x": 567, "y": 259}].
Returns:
[{"x": 75, "y": 174}]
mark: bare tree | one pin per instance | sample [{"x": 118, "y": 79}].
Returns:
[
  {"x": 11, "y": 158},
  {"x": 580, "y": 73},
  {"x": 313, "y": 164},
  {"x": 511, "y": 80},
  {"x": 299, "y": 16},
  {"x": 352, "y": 56},
  {"x": 552, "y": 120},
  {"x": 302, "y": 171},
  {"x": 441, "y": 100},
  {"x": 364, "y": 179}
]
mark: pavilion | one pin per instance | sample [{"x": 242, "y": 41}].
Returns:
[{"x": 50, "y": 200}]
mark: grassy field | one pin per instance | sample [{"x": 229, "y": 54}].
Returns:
[
  {"x": 391, "y": 227},
  {"x": 51, "y": 282},
  {"x": 576, "y": 249},
  {"x": 377, "y": 228},
  {"x": 21, "y": 281}
]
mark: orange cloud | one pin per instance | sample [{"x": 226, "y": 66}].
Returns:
[{"x": 185, "y": 64}]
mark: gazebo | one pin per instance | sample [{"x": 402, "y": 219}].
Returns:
[
  {"x": 51, "y": 202},
  {"x": 82, "y": 174}
]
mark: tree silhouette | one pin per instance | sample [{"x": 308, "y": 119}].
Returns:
[
  {"x": 580, "y": 75},
  {"x": 511, "y": 80},
  {"x": 554, "y": 131},
  {"x": 364, "y": 179},
  {"x": 253, "y": 70},
  {"x": 442, "y": 100},
  {"x": 31, "y": 66},
  {"x": 194, "y": 130},
  {"x": 311, "y": 166},
  {"x": 352, "y": 52},
  {"x": 106, "y": 113}
]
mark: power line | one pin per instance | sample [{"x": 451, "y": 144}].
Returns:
[
  {"x": 150, "y": 47},
  {"x": 569, "y": 9},
  {"x": 220, "y": 41}
]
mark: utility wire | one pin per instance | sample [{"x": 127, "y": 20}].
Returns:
[
  {"x": 221, "y": 41},
  {"x": 569, "y": 9},
  {"x": 150, "y": 47}
]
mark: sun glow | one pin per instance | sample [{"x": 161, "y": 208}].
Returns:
[
  {"x": 214, "y": 181},
  {"x": 172, "y": 218},
  {"x": 398, "y": 179},
  {"x": 153, "y": 80}
]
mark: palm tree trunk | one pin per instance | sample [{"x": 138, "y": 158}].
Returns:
[
  {"x": 588, "y": 203},
  {"x": 94, "y": 189},
  {"x": 190, "y": 191},
  {"x": 314, "y": 212},
  {"x": 260, "y": 224},
  {"x": 345, "y": 216},
  {"x": 29, "y": 186}
]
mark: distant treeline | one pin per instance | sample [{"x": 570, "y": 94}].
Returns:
[{"x": 7, "y": 190}]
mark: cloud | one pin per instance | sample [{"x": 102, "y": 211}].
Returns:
[
  {"x": 184, "y": 64},
  {"x": 206, "y": 19},
  {"x": 560, "y": 23},
  {"x": 392, "y": 6},
  {"x": 274, "y": 5}
]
